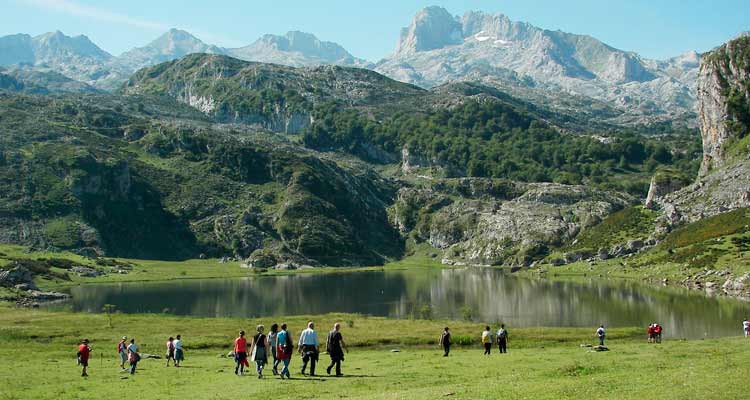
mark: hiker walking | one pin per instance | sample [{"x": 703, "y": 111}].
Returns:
[
  {"x": 133, "y": 356},
  {"x": 487, "y": 340},
  {"x": 170, "y": 351},
  {"x": 284, "y": 350},
  {"x": 502, "y": 339},
  {"x": 746, "y": 327},
  {"x": 651, "y": 333},
  {"x": 445, "y": 341},
  {"x": 258, "y": 350},
  {"x": 122, "y": 351},
  {"x": 179, "y": 351},
  {"x": 84, "y": 351},
  {"x": 601, "y": 333},
  {"x": 308, "y": 347},
  {"x": 335, "y": 346},
  {"x": 272, "y": 343},
  {"x": 240, "y": 354}
]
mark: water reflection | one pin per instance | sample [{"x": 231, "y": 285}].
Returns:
[{"x": 489, "y": 295}]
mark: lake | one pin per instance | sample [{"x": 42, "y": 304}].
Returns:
[{"x": 485, "y": 295}]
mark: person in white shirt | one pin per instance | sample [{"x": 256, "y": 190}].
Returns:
[
  {"x": 746, "y": 327},
  {"x": 308, "y": 347},
  {"x": 179, "y": 352},
  {"x": 601, "y": 333},
  {"x": 133, "y": 356}
]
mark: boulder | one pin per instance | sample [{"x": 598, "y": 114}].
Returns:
[
  {"x": 603, "y": 254},
  {"x": 47, "y": 296},
  {"x": 86, "y": 272},
  {"x": 16, "y": 276},
  {"x": 635, "y": 245}
]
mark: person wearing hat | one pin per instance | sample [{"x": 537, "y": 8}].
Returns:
[
  {"x": 122, "y": 350},
  {"x": 84, "y": 351}
]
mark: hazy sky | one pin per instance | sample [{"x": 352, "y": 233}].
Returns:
[{"x": 370, "y": 29}]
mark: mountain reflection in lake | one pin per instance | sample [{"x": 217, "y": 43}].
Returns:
[{"x": 490, "y": 295}]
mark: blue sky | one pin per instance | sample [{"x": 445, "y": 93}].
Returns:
[{"x": 655, "y": 29}]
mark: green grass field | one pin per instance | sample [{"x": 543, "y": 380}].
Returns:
[{"x": 38, "y": 352}]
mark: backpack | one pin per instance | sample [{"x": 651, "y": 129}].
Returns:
[
  {"x": 503, "y": 334},
  {"x": 288, "y": 345}
]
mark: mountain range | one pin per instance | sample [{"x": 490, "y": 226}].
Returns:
[{"x": 561, "y": 70}]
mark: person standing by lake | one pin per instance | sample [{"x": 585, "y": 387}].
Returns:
[
  {"x": 657, "y": 332},
  {"x": 84, "y": 351},
  {"x": 240, "y": 354},
  {"x": 272, "y": 343},
  {"x": 746, "y": 327},
  {"x": 122, "y": 351},
  {"x": 502, "y": 339},
  {"x": 335, "y": 346},
  {"x": 133, "y": 356},
  {"x": 179, "y": 351},
  {"x": 308, "y": 347},
  {"x": 601, "y": 333},
  {"x": 170, "y": 350},
  {"x": 651, "y": 333},
  {"x": 445, "y": 341},
  {"x": 258, "y": 350},
  {"x": 284, "y": 350},
  {"x": 487, "y": 340}
]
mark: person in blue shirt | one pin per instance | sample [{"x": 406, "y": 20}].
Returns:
[
  {"x": 284, "y": 350},
  {"x": 309, "y": 348}
]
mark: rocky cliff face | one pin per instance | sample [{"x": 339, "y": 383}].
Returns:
[
  {"x": 724, "y": 112},
  {"x": 723, "y": 100},
  {"x": 494, "y": 222}
]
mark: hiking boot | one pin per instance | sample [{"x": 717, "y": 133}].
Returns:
[{"x": 328, "y": 370}]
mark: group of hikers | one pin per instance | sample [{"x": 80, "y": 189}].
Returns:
[
  {"x": 654, "y": 333},
  {"x": 278, "y": 342}
]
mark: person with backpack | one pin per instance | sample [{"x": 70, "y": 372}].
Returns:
[
  {"x": 122, "y": 351},
  {"x": 309, "y": 348},
  {"x": 284, "y": 350},
  {"x": 335, "y": 346},
  {"x": 258, "y": 352},
  {"x": 601, "y": 333},
  {"x": 170, "y": 351},
  {"x": 133, "y": 356},
  {"x": 179, "y": 351},
  {"x": 487, "y": 340},
  {"x": 651, "y": 334},
  {"x": 445, "y": 341},
  {"x": 84, "y": 352},
  {"x": 272, "y": 344},
  {"x": 502, "y": 339},
  {"x": 240, "y": 354}
]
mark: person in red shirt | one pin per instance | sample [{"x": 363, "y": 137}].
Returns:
[
  {"x": 84, "y": 351},
  {"x": 651, "y": 333},
  {"x": 240, "y": 354},
  {"x": 657, "y": 333}
]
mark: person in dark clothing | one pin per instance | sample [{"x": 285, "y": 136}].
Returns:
[
  {"x": 502, "y": 339},
  {"x": 336, "y": 346},
  {"x": 445, "y": 341}
]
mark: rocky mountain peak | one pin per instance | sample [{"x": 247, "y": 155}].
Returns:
[
  {"x": 432, "y": 28},
  {"x": 296, "y": 49},
  {"x": 57, "y": 44},
  {"x": 173, "y": 44}
]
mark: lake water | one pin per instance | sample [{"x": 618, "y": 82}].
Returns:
[{"x": 490, "y": 295}]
